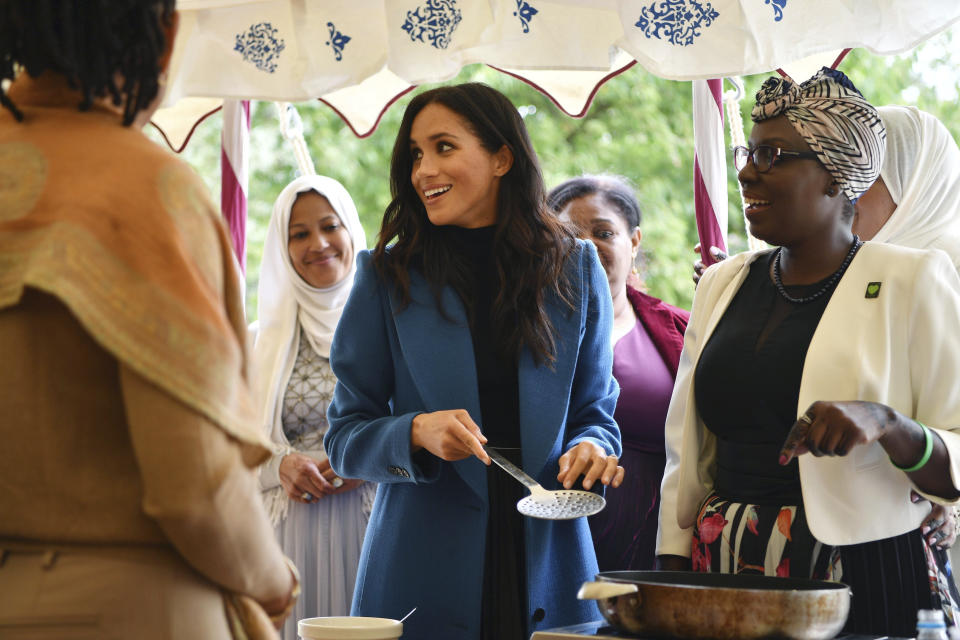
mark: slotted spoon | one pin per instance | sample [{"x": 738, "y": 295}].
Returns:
[{"x": 560, "y": 504}]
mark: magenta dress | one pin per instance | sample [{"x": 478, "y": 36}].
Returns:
[{"x": 625, "y": 532}]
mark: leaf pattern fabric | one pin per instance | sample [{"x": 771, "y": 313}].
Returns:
[
  {"x": 773, "y": 540},
  {"x": 752, "y": 520},
  {"x": 893, "y": 577},
  {"x": 783, "y": 522}
]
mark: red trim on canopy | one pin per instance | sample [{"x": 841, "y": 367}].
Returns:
[
  {"x": 843, "y": 54},
  {"x": 377, "y": 121},
  {"x": 593, "y": 93},
  {"x": 393, "y": 100},
  {"x": 196, "y": 124},
  {"x": 836, "y": 63}
]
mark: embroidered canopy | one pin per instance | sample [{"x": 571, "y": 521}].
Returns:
[{"x": 358, "y": 56}]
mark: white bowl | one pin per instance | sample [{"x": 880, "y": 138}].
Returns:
[{"x": 349, "y": 628}]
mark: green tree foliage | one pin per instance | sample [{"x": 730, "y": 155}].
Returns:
[{"x": 638, "y": 126}]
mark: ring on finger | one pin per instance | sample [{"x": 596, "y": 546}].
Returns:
[
  {"x": 306, "y": 495},
  {"x": 806, "y": 419},
  {"x": 337, "y": 482}
]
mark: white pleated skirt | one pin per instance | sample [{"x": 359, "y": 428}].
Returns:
[{"x": 324, "y": 539}]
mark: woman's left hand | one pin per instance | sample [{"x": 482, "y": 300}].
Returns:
[
  {"x": 593, "y": 462},
  {"x": 835, "y": 428},
  {"x": 940, "y": 525}
]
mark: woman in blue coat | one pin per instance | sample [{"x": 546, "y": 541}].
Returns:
[{"x": 477, "y": 320}]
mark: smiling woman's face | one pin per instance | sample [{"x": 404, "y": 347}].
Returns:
[
  {"x": 597, "y": 220},
  {"x": 457, "y": 179},
  {"x": 792, "y": 200},
  {"x": 320, "y": 247}
]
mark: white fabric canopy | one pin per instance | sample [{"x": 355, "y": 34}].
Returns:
[{"x": 359, "y": 55}]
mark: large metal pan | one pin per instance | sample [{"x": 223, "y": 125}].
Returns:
[{"x": 685, "y": 604}]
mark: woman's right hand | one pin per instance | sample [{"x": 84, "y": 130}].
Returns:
[
  {"x": 301, "y": 475},
  {"x": 450, "y": 435},
  {"x": 699, "y": 267},
  {"x": 346, "y": 484}
]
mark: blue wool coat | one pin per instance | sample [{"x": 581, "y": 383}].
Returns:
[{"x": 424, "y": 545}]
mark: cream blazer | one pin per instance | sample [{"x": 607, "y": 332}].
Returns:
[{"x": 900, "y": 348}]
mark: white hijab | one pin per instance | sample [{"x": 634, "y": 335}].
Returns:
[
  {"x": 285, "y": 302},
  {"x": 922, "y": 173}
]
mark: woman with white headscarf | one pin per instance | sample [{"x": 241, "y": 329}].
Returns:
[
  {"x": 916, "y": 201},
  {"x": 305, "y": 279}
]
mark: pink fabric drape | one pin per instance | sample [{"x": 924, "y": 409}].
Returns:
[
  {"x": 234, "y": 162},
  {"x": 709, "y": 167}
]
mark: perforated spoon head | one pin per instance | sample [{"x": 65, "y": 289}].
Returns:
[{"x": 564, "y": 504}]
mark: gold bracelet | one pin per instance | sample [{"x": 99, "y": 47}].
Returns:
[{"x": 278, "y": 618}]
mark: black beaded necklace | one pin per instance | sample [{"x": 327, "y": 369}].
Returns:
[{"x": 832, "y": 280}]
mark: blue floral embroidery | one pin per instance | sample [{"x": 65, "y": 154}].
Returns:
[
  {"x": 260, "y": 46},
  {"x": 337, "y": 40},
  {"x": 676, "y": 21},
  {"x": 525, "y": 12},
  {"x": 778, "y": 7},
  {"x": 433, "y": 23}
]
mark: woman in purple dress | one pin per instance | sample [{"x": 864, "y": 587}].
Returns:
[{"x": 647, "y": 338}]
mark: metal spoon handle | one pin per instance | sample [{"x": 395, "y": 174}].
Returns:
[{"x": 513, "y": 469}]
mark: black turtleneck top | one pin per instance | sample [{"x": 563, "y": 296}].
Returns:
[
  {"x": 504, "y": 606},
  {"x": 496, "y": 375}
]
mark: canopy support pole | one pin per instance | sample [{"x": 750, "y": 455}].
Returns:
[
  {"x": 234, "y": 173},
  {"x": 709, "y": 167}
]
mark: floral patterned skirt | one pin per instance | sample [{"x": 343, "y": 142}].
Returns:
[{"x": 891, "y": 579}]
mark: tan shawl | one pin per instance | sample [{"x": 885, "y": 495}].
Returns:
[{"x": 125, "y": 235}]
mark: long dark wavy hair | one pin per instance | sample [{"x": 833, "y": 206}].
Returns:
[
  {"x": 90, "y": 43},
  {"x": 530, "y": 245}
]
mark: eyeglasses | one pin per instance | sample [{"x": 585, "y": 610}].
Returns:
[{"x": 765, "y": 156}]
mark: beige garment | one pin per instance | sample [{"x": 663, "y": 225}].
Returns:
[
  {"x": 125, "y": 235},
  {"x": 128, "y": 592},
  {"x": 127, "y": 432},
  {"x": 87, "y": 471}
]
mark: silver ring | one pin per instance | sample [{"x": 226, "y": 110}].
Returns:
[
  {"x": 306, "y": 495},
  {"x": 805, "y": 418},
  {"x": 337, "y": 482}
]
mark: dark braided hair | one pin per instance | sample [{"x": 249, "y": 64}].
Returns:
[{"x": 91, "y": 43}]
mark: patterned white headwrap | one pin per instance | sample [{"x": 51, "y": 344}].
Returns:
[{"x": 841, "y": 127}]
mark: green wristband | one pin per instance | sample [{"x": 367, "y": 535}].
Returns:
[{"x": 927, "y": 451}]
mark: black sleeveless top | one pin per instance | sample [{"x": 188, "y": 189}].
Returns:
[{"x": 747, "y": 385}]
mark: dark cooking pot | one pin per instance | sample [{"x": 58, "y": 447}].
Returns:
[{"x": 685, "y": 604}]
